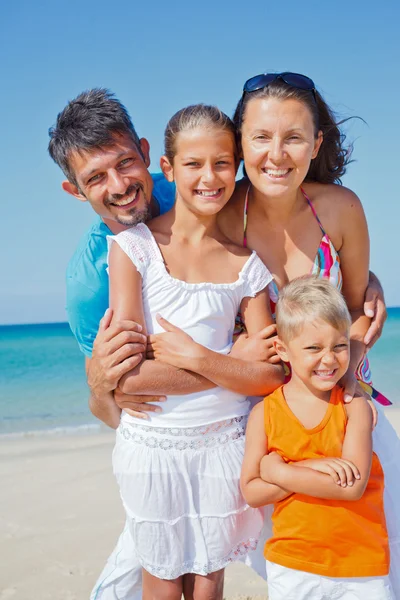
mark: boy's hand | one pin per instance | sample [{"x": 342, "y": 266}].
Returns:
[
  {"x": 269, "y": 466},
  {"x": 342, "y": 471}
]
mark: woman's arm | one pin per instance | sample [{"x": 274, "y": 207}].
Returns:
[
  {"x": 354, "y": 264},
  {"x": 357, "y": 448},
  {"x": 149, "y": 377},
  {"x": 255, "y": 491},
  {"x": 251, "y": 378}
]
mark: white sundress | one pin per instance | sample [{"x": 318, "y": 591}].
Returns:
[{"x": 179, "y": 474}]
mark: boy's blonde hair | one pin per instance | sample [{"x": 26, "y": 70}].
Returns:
[{"x": 308, "y": 298}]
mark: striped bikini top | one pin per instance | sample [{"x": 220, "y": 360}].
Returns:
[
  {"x": 327, "y": 260},
  {"x": 326, "y": 264}
]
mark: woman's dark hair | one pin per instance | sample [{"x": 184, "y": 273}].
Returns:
[
  {"x": 333, "y": 156},
  {"x": 191, "y": 117}
]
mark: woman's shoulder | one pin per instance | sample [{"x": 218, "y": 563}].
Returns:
[
  {"x": 337, "y": 207},
  {"x": 331, "y": 195}
]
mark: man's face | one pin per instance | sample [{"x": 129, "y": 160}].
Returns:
[{"x": 115, "y": 181}]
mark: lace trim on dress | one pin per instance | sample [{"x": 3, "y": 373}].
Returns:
[
  {"x": 241, "y": 549},
  {"x": 139, "y": 434}
]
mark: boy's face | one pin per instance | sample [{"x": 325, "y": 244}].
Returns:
[{"x": 319, "y": 356}]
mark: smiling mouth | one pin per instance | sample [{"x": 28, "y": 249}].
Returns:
[
  {"x": 211, "y": 194},
  {"x": 325, "y": 374},
  {"x": 277, "y": 173},
  {"x": 128, "y": 202}
]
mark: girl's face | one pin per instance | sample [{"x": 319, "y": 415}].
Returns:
[
  {"x": 278, "y": 143},
  {"x": 204, "y": 169}
]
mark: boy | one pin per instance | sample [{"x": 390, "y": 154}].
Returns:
[{"x": 329, "y": 533}]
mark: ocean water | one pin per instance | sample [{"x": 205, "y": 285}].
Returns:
[{"x": 43, "y": 383}]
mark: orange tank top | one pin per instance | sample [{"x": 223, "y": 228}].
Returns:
[{"x": 326, "y": 537}]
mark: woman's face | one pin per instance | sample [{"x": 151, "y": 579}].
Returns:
[{"x": 278, "y": 143}]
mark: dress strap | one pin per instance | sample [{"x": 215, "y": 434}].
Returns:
[
  {"x": 245, "y": 211},
  {"x": 310, "y": 204}
]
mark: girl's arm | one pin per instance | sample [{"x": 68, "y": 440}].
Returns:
[
  {"x": 251, "y": 378},
  {"x": 255, "y": 491},
  {"x": 357, "y": 448},
  {"x": 149, "y": 377}
]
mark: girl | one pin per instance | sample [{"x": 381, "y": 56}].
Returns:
[{"x": 179, "y": 475}]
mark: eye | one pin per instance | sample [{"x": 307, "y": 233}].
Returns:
[
  {"x": 294, "y": 138},
  {"x": 261, "y": 138},
  {"x": 94, "y": 179},
  {"x": 223, "y": 162},
  {"x": 126, "y": 162},
  {"x": 314, "y": 348},
  {"x": 341, "y": 347},
  {"x": 192, "y": 163}
]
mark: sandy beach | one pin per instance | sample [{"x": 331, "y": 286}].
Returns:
[{"x": 60, "y": 516}]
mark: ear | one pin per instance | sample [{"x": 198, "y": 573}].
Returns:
[
  {"x": 281, "y": 350},
  {"x": 145, "y": 150},
  {"x": 72, "y": 189},
  {"x": 167, "y": 168},
  {"x": 317, "y": 144}
]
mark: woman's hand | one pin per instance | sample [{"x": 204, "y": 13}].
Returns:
[
  {"x": 352, "y": 389},
  {"x": 257, "y": 347},
  {"x": 375, "y": 308},
  {"x": 174, "y": 347}
]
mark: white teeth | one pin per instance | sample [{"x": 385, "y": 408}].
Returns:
[
  {"x": 277, "y": 172},
  {"x": 125, "y": 202},
  {"x": 207, "y": 192},
  {"x": 325, "y": 372}
]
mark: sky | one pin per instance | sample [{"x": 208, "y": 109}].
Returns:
[{"x": 159, "y": 57}]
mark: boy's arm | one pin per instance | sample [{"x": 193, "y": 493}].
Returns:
[
  {"x": 251, "y": 378},
  {"x": 257, "y": 492},
  {"x": 357, "y": 448}
]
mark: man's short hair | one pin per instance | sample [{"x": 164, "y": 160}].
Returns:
[
  {"x": 88, "y": 122},
  {"x": 308, "y": 298}
]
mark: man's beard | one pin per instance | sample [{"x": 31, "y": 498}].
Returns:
[{"x": 134, "y": 215}]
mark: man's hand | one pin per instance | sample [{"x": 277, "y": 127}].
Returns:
[
  {"x": 173, "y": 347},
  {"x": 374, "y": 308},
  {"x": 137, "y": 406},
  {"x": 257, "y": 347},
  {"x": 118, "y": 348}
]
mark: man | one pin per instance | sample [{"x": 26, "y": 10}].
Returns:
[{"x": 106, "y": 164}]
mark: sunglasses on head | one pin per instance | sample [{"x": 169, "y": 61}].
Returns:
[{"x": 293, "y": 79}]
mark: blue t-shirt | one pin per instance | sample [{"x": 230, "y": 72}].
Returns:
[{"x": 87, "y": 277}]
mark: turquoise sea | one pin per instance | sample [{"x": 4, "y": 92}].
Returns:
[{"x": 43, "y": 384}]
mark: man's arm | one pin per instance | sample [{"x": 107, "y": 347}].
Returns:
[{"x": 255, "y": 491}]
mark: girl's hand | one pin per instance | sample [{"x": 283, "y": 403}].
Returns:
[
  {"x": 174, "y": 347},
  {"x": 342, "y": 471}
]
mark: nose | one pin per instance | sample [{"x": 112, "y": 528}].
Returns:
[
  {"x": 276, "y": 152},
  {"x": 208, "y": 173},
  {"x": 329, "y": 358},
  {"x": 116, "y": 183}
]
